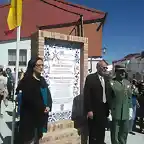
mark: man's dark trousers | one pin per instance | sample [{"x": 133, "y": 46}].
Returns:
[{"x": 96, "y": 130}]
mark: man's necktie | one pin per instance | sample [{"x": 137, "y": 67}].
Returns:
[{"x": 103, "y": 85}]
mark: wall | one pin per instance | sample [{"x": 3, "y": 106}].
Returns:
[
  {"x": 94, "y": 37},
  {"x": 71, "y": 30},
  {"x": 26, "y": 44},
  {"x": 136, "y": 67}
]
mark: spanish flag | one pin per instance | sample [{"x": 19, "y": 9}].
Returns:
[{"x": 15, "y": 14}]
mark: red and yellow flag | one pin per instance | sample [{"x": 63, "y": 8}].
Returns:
[{"x": 15, "y": 14}]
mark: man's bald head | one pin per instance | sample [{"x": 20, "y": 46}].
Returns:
[
  {"x": 101, "y": 67},
  {"x": 101, "y": 63}
]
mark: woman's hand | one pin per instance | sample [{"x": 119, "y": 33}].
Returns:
[{"x": 47, "y": 109}]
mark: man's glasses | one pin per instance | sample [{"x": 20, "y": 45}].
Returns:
[{"x": 104, "y": 67}]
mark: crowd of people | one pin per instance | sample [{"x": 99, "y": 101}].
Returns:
[
  {"x": 138, "y": 106},
  {"x": 114, "y": 103},
  {"x": 105, "y": 100},
  {"x": 7, "y": 82}
]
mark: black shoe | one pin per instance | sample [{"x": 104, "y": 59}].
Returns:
[{"x": 132, "y": 133}]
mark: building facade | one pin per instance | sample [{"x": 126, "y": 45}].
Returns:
[
  {"x": 63, "y": 21},
  {"x": 135, "y": 68},
  {"x": 8, "y": 54},
  {"x": 89, "y": 30},
  {"x": 134, "y": 64}
]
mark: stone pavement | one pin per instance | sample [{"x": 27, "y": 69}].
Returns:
[
  {"x": 6, "y": 121},
  {"x": 136, "y": 139}
]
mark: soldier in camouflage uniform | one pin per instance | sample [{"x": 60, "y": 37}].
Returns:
[{"x": 120, "y": 103}]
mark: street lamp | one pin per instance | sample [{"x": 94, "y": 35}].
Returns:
[{"x": 104, "y": 50}]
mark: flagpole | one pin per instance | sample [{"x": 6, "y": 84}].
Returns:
[
  {"x": 17, "y": 55},
  {"x": 16, "y": 81}
]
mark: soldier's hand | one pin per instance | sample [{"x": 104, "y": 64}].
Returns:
[
  {"x": 130, "y": 113},
  {"x": 90, "y": 115}
]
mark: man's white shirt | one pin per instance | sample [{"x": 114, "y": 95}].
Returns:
[{"x": 103, "y": 85}]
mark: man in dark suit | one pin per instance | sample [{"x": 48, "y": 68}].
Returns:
[{"x": 95, "y": 103}]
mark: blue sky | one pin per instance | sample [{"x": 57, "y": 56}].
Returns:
[
  {"x": 4, "y": 1},
  {"x": 123, "y": 32}
]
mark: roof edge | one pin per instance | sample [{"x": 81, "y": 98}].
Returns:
[
  {"x": 69, "y": 24},
  {"x": 56, "y": 26},
  {"x": 5, "y": 5},
  {"x": 13, "y": 40}
]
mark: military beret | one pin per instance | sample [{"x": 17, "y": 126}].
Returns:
[{"x": 119, "y": 67}]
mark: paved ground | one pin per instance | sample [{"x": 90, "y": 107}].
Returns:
[
  {"x": 5, "y": 129},
  {"x": 137, "y": 139},
  {"x": 6, "y": 124}
]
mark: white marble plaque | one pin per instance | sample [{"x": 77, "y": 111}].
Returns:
[{"x": 62, "y": 72}]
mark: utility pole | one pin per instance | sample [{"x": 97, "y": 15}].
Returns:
[{"x": 81, "y": 26}]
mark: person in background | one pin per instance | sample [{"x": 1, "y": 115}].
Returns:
[
  {"x": 95, "y": 104},
  {"x": 120, "y": 103},
  {"x": 14, "y": 79},
  {"x": 140, "y": 110},
  {"x": 10, "y": 83},
  {"x": 36, "y": 103},
  {"x": 3, "y": 89},
  {"x": 4, "y": 74},
  {"x": 21, "y": 74},
  {"x": 14, "y": 74},
  {"x": 134, "y": 105}
]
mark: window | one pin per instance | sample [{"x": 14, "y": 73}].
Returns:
[
  {"x": 23, "y": 57},
  {"x": 12, "y": 57}
]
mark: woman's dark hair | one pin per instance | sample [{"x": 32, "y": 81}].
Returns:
[
  {"x": 4, "y": 74},
  {"x": 29, "y": 72},
  {"x": 31, "y": 65}
]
